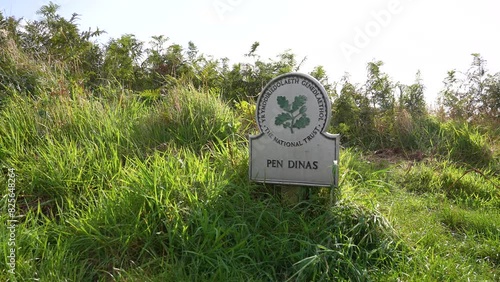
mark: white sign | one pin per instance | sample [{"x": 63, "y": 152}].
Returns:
[{"x": 293, "y": 147}]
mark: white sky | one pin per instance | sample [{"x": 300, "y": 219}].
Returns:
[{"x": 343, "y": 36}]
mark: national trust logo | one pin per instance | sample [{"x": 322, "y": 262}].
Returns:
[{"x": 292, "y": 109}]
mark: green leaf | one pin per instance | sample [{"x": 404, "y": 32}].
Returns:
[
  {"x": 298, "y": 102},
  {"x": 302, "y": 122},
  {"x": 303, "y": 110},
  {"x": 283, "y": 103},
  {"x": 282, "y": 118}
]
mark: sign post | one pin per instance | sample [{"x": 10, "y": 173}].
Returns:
[{"x": 293, "y": 147}]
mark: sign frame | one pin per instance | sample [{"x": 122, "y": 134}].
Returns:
[{"x": 275, "y": 128}]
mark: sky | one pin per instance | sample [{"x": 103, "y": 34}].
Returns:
[{"x": 342, "y": 36}]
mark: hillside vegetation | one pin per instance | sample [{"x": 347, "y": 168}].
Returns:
[{"x": 130, "y": 163}]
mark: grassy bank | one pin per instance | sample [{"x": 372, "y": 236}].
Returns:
[{"x": 127, "y": 189}]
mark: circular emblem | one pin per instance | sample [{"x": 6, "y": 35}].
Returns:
[{"x": 293, "y": 109}]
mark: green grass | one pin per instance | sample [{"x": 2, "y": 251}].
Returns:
[{"x": 134, "y": 189}]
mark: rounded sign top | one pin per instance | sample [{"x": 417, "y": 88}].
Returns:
[{"x": 293, "y": 109}]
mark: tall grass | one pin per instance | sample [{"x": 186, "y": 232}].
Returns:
[
  {"x": 470, "y": 188},
  {"x": 458, "y": 142},
  {"x": 122, "y": 189}
]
